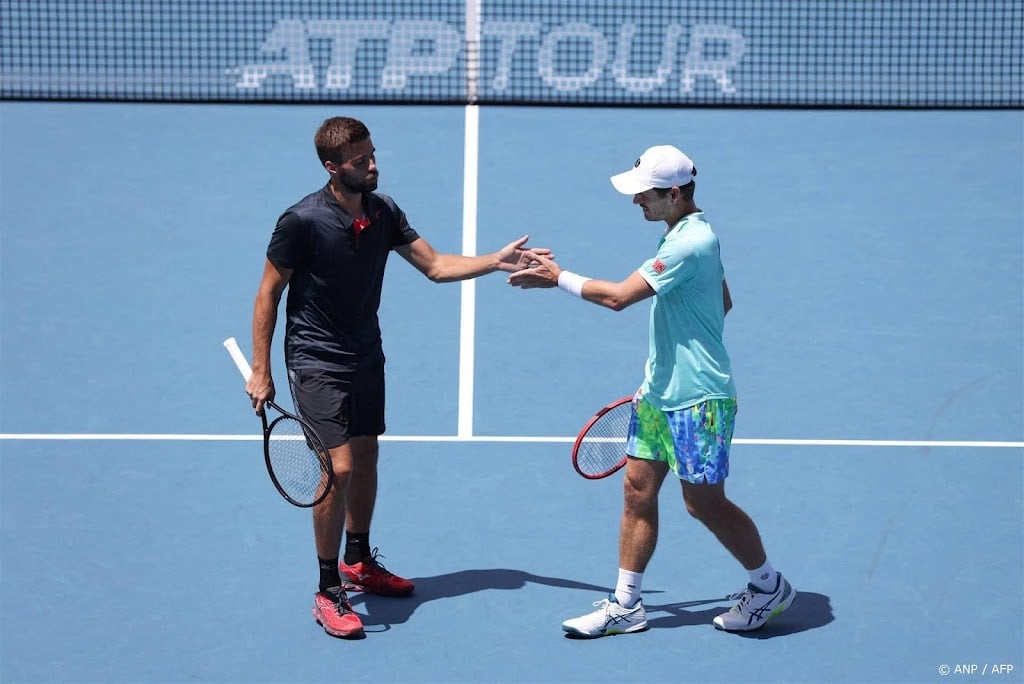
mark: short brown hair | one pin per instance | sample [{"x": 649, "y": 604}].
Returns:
[
  {"x": 335, "y": 133},
  {"x": 685, "y": 191}
]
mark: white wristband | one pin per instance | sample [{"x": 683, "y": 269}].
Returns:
[{"x": 572, "y": 282}]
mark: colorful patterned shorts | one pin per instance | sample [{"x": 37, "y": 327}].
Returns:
[{"x": 693, "y": 441}]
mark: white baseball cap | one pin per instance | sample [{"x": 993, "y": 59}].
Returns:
[{"x": 661, "y": 166}]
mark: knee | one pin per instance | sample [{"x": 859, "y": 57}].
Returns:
[
  {"x": 341, "y": 465},
  {"x": 695, "y": 509},
  {"x": 342, "y": 470},
  {"x": 705, "y": 508},
  {"x": 638, "y": 495}
]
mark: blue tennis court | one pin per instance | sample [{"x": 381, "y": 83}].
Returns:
[{"x": 876, "y": 260}]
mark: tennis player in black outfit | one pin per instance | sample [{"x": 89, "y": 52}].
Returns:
[{"x": 329, "y": 250}]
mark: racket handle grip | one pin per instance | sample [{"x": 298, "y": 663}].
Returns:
[{"x": 238, "y": 357}]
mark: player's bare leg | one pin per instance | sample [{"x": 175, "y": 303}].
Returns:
[
  {"x": 727, "y": 521},
  {"x": 638, "y": 531}
]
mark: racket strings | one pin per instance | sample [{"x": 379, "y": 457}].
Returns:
[
  {"x": 603, "y": 446},
  {"x": 300, "y": 469}
]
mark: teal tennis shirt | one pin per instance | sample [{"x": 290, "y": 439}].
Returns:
[{"x": 687, "y": 362}]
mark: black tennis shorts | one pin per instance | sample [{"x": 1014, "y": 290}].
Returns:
[{"x": 341, "y": 404}]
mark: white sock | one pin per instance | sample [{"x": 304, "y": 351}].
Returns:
[
  {"x": 627, "y": 590},
  {"x": 763, "y": 577}
]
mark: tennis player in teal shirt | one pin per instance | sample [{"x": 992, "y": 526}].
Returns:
[
  {"x": 688, "y": 362},
  {"x": 684, "y": 412}
]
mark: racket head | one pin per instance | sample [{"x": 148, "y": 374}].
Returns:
[
  {"x": 600, "y": 448},
  {"x": 298, "y": 462}
]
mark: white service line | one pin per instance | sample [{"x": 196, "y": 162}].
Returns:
[{"x": 508, "y": 439}]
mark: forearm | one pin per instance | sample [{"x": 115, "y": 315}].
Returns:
[
  {"x": 604, "y": 293},
  {"x": 611, "y": 295},
  {"x": 452, "y": 267}
]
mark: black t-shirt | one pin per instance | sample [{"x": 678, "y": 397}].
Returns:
[{"x": 334, "y": 291}]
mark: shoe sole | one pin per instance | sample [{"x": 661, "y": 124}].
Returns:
[
  {"x": 778, "y": 611},
  {"x": 352, "y": 586},
  {"x": 612, "y": 632}
]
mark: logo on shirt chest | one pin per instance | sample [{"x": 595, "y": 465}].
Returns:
[{"x": 360, "y": 224}]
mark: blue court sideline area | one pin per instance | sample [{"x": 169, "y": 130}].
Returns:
[{"x": 876, "y": 260}]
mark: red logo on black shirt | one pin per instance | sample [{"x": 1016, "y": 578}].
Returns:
[{"x": 360, "y": 224}]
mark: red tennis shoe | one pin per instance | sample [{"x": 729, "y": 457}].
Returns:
[
  {"x": 370, "y": 576},
  {"x": 332, "y": 610}
]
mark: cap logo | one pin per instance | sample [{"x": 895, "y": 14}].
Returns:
[{"x": 637, "y": 164}]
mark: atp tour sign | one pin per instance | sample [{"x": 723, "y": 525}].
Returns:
[{"x": 513, "y": 55}]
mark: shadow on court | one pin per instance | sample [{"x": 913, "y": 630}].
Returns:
[
  {"x": 809, "y": 611},
  {"x": 383, "y": 611}
]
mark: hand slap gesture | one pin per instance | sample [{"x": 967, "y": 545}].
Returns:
[
  {"x": 544, "y": 273},
  {"x": 515, "y": 256}
]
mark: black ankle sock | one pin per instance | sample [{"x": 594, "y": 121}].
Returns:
[
  {"x": 357, "y": 547},
  {"x": 329, "y": 576}
]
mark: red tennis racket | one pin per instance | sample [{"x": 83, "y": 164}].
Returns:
[{"x": 600, "y": 448}]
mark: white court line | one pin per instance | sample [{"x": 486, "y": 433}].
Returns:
[
  {"x": 467, "y": 318},
  {"x": 470, "y": 173},
  {"x": 471, "y": 152},
  {"x": 70, "y": 437}
]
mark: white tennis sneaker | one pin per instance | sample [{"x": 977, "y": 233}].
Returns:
[
  {"x": 609, "y": 618},
  {"x": 756, "y": 607}
]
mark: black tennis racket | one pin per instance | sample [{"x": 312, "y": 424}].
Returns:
[
  {"x": 600, "y": 448},
  {"x": 298, "y": 462}
]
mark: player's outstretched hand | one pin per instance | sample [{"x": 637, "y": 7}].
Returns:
[
  {"x": 516, "y": 256},
  {"x": 543, "y": 273}
]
